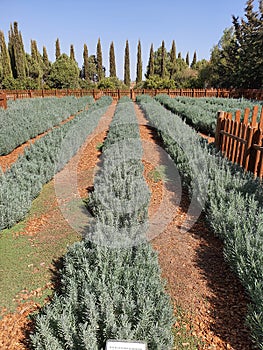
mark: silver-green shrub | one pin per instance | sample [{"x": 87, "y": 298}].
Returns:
[
  {"x": 20, "y": 184},
  {"x": 25, "y": 119},
  {"x": 231, "y": 198}
]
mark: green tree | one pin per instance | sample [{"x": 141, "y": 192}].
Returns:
[
  {"x": 163, "y": 57},
  {"x": 58, "y": 52},
  {"x": 92, "y": 68},
  {"x": 194, "y": 60},
  {"x": 172, "y": 66},
  {"x": 139, "y": 64},
  {"x": 112, "y": 61},
  {"x": 127, "y": 79},
  {"x": 46, "y": 64},
  {"x": 64, "y": 73},
  {"x": 112, "y": 83},
  {"x": 150, "y": 66},
  {"x": 72, "y": 53},
  {"x": 17, "y": 53},
  {"x": 201, "y": 74},
  {"x": 6, "y": 71},
  {"x": 100, "y": 71},
  {"x": 85, "y": 67},
  {"x": 161, "y": 62},
  {"x": 35, "y": 65},
  {"x": 157, "y": 82},
  {"x": 225, "y": 61},
  {"x": 183, "y": 74},
  {"x": 249, "y": 39},
  {"x": 187, "y": 61}
]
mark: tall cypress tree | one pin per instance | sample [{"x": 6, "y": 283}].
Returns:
[
  {"x": 35, "y": 53},
  {"x": 139, "y": 63},
  {"x": 127, "y": 79},
  {"x": 99, "y": 61},
  {"x": 85, "y": 63},
  {"x": 5, "y": 58},
  {"x": 35, "y": 64},
  {"x": 58, "y": 52},
  {"x": 72, "y": 53},
  {"x": 194, "y": 60},
  {"x": 150, "y": 66},
  {"x": 17, "y": 52},
  {"x": 187, "y": 61},
  {"x": 172, "y": 60},
  {"x": 163, "y": 53},
  {"x": 45, "y": 57},
  {"x": 46, "y": 63},
  {"x": 112, "y": 61}
]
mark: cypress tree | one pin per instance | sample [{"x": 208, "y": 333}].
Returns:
[
  {"x": 86, "y": 63},
  {"x": 163, "y": 53},
  {"x": 58, "y": 52},
  {"x": 17, "y": 52},
  {"x": 45, "y": 57},
  {"x": 99, "y": 61},
  {"x": 139, "y": 63},
  {"x": 150, "y": 66},
  {"x": 5, "y": 58},
  {"x": 194, "y": 60},
  {"x": 72, "y": 53},
  {"x": 179, "y": 55},
  {"x": 35, "y": 53},
  {"x": 127, "y": 79},
  {"x": 46, "y": 63},
  {"x": 35, "y": 64},
  {"x": 173, "y": 52},
  {"x": 172, "y": 60},
  {"x": 112, "y": 61},
  {"x": 187, "y": 59}
]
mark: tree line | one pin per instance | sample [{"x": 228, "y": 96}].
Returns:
[{"x": 236, "y": 61}]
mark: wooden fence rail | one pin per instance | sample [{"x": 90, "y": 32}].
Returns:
[
  {"x": 241, "y": 140},
  {"x": 132, "y": 93}
]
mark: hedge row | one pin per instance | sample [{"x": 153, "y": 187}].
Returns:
[
  {"x": 110, "y": 281},
  {"x": 25, "y": 119},
  {"x": 20, "y": 184},
  {"x": 231, "y": 198},
  {"x": 201, "y": 113}
]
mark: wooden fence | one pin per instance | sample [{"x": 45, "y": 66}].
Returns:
[
  {"x": 3, "y": 101},
  {"x": 132, "y": 93},
  {"x": 241, "y": 140}
]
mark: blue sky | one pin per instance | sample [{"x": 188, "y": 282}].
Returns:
[{"x": 194, "y": 25}]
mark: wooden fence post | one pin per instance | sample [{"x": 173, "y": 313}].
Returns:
[
  {"x": 220, "y": 118},
  {"x": 3, "y": 100}
]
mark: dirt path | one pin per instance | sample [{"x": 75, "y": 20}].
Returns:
[
  {"x": 51, "y": 225},
  {"x": 192, "y": 262}
]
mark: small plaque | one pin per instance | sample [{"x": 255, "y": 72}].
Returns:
[{"x": 125, "y": 345}]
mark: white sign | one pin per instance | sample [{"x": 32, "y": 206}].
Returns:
[{"x": 125, "y": 345}]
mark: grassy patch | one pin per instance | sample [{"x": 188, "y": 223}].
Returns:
[
  {"x": 100, "y": 146},
  {"x": 157, "y": 174},
  {"x": 26, "y": 260},
  {"x": 184, "y": 334}
]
